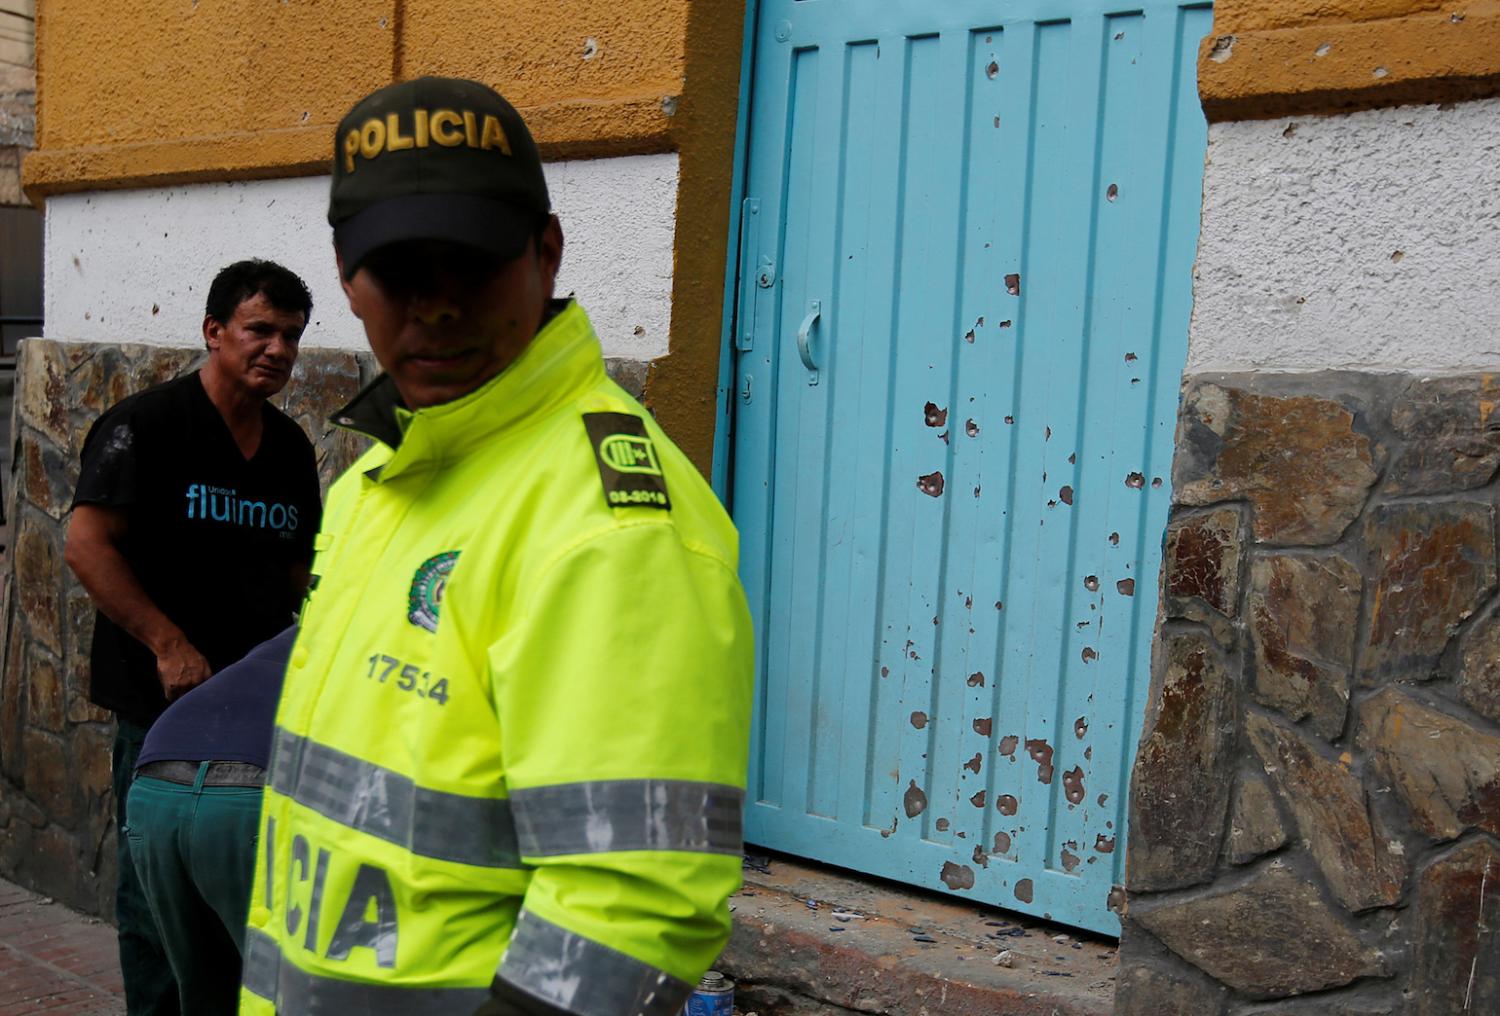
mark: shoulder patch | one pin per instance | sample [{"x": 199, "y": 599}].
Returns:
[{"x": 628, "y": 464}]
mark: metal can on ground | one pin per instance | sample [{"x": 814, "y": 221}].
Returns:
[{"x": 714, "y": 996}]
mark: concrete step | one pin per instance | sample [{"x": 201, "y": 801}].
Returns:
[{"x": 815, "y": 941}]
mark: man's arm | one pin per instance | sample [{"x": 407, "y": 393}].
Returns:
[
  {"x": 92, "y": 552},
  {"x": 625, "y": 699}
]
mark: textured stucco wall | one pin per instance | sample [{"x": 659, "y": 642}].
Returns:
[
  {"x": 1273, "y": 57},
  {"x": 1368, "y": 241},
  {"x": 237, "y": 90},
  {"x": 134, "y": 266},
  {"x": 1250, "y": 15}
]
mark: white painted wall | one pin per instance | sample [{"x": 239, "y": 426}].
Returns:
[
  {"x": 134, "y": 265},
  {"x": 1302, "y": 221}
]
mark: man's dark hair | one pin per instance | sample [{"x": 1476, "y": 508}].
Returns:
[{"x": 242, "y": 280}]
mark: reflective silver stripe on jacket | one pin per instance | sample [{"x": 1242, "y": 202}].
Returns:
[
  {"x": 585, "y": 977},
  {"x": 294, "y": 990},
  {"x": 388, "y": 805},
  {"x": 611, "y": 815}
]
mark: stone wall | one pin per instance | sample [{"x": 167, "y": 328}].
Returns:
[
  {"x": 56, "y": 808},
  {"x": 1316, "y": 799},
  {"x": 17, "y": 127}
]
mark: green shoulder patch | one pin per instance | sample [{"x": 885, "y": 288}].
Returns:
[{"x": 628, "y": 464}]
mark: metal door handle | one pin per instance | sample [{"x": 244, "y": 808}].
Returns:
[{"x": 814, "y": 309}]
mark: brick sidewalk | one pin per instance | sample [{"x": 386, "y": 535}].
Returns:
[{"x": 53, "y": 960}]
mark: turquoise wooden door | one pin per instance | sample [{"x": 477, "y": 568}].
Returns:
[{"x": 967, "y": 249}]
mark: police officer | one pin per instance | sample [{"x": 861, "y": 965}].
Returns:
[{"x": 509, "y": 759}]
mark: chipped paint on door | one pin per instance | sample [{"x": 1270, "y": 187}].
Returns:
[{"x": 962, "y": 319}]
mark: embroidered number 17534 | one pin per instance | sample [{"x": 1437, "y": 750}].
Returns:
[{"x": 408, "y": 677}]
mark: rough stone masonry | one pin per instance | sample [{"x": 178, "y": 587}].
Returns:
[{"x": 1316, "y": 799}]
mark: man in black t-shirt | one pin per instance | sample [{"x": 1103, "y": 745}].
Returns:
[{"x": 192, "y": 531}]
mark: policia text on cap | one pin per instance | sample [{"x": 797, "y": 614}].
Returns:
[
  {"x": 481, "y": 796},
  {"x": 446, "y": 127}
]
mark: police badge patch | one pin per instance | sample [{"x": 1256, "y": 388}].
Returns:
[
  {"x": 427, "y": 587},
  {"x": 628, "y": 465}
]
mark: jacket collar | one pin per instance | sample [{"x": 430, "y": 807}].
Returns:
[{"x": 560, "y": 362}]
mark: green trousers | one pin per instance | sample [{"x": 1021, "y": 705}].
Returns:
[
  {"x": 149, "y": 988},
  {"x": 194, "y": 850}
]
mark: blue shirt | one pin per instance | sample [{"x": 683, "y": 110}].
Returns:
[{"x": 227, "y": 718}]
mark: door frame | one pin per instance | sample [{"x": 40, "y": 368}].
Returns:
[{"x": 728, "y": 355}]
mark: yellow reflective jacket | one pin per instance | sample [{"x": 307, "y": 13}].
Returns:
[{"x": 512, "y": 739}]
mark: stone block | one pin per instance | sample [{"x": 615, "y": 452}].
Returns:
[
  {"x": 322, "y": 381},
  {"x": 80, "y": 709},
  {"x": 15, "y": 842},
  {"x": 1451, "y": 427},
  {"x": 1180, "y": 784},
  {"x": 1479, "y": 680},
  {"x": 1271, "y": 937},
  {"x": 1151, "y": 991},
  {"x": 77, "y": 640},
  {"x": 13, "y": 703},
  {"x": 336, "y": 452},
  {"x": 1202, "y": 567},
  {"x": 1333, "y": 817},
  {"x": 92, "y": 746},
  {"x": 1303, "y": 613},
  {"x": 1297, "y": 459},
  {"x": 1434, "y": 564},
  {"x": 1333, "y": 1004},
  {"x": 47, "y": 477},
  {"x": 51, "y": 865},
  {"x": 11, "y": 194},
  {"x": 1458, "y": 933},
  {"x": 87, "y": 377},
  {"x": 37, "y": 570},
  {"x": 45, "y": 694},
  {"x": 16, "y": 810},
  {"x": 1445, "y": 771},
  {"x": 47, "y": 778},
  {"x": 1255, "y": 826},
  {"x": 148, "y": 365},
  {"x": 628, "y": 374},
  {"x": 42, "y": 390}
]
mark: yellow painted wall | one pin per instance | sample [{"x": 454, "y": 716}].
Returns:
[
  {"x": 589, "y": 76},
  {"x": 1276, "y": 57},
  {"x": 168, "y": 91}
]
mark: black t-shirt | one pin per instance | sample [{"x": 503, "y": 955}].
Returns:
[{"x": 215, "y": 539}]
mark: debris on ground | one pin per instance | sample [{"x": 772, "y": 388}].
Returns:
[{"x": 758, "y": 862}]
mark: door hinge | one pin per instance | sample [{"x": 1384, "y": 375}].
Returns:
[{"x": 755, "y": 263}]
